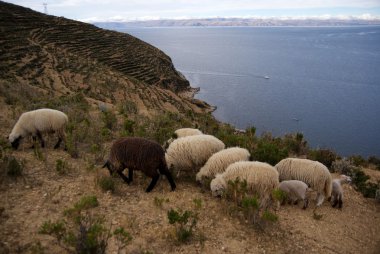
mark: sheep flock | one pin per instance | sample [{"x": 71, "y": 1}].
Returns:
[{"x": 200, "y": 155}]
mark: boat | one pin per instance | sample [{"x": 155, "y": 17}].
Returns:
[{"x": 266, "y": 77}]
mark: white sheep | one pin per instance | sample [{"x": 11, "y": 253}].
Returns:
[
  {"x": 183, "y": 132},
  {"x": 295, "y": 190},
  {"x": 337, "y": 190},
  {"x": 219, "y": 161},
  {"x": 191, "y": 152},
  {"x": 261, "y": 179},
  {"x": 313, "y": 173},
  {"x": 37, "y": 122}
]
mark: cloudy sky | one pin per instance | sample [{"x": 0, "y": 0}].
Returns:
[{"x": 121, "y": 10}]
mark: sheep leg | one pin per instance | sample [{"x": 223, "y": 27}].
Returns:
[
  {"x": 166, "y": 172},
  {"x": 120, "y": 173},
  {"x": 170, "y": 179},
  {"x": 335, "y": 202},
  {"x": 320, "y": 198},
  {"x": 305, "y": 203},
  {"x": 130, "y": 174},
  {"x": 340, "y": 203},
  {"x": 41, "y": 139},
  {"x": 153, "y": 183},
  {"x": 58, "y": 143}
]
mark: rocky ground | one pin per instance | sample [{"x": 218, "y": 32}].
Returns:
[{"x": 42, "y": 194}]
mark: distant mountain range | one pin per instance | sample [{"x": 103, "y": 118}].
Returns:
[{"x": 254, "y": 22}]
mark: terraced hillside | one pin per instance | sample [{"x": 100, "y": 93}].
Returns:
[
  {"x": 121, "y": 52},
  {"x": 45, "y": 56}
]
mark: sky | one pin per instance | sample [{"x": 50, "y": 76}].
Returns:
[{"x": 130, "y": 10}]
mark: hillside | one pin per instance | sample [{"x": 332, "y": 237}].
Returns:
[
  {"x": 112, "y": 85},
  {"x": 52, "y": 54}
]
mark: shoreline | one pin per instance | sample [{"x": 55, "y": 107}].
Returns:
[{"x": 190, "y": 93}]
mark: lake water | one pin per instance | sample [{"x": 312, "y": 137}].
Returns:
[{"x": 323, "y": 82}]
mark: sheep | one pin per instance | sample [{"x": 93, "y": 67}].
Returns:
[
  {"x": 337, "y": 190},
  {"x": 219, "y": 161},
  {"x": 295, "y": 190},
  {"x": 183, "y": 132},
  {"x": 37, "y": 122},
  {"x": 191, "y": 152},
  {"x": 261, "y": 179},
  {"x": 142, "y": 154},
  {"x": 313, "y": 173}
]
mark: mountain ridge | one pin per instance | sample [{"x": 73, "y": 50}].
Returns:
[{"x": 240, "y": 22}]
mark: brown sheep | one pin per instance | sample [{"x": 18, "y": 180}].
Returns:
[{"x": 142, "y": 154}]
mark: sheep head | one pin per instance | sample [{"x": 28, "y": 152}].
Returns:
[
  {"x": 14, "y": 140},
  {"x": 217, "y": 186},
  {"x": 346, "y": 179},
  {"x": 109, "y": 166}
]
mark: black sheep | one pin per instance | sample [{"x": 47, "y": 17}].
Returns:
[{"x": 138, "y": 154}]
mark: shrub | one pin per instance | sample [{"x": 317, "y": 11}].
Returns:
[
  {"x": 279, "y": 195},
  {"x": 197, "y": 203},
  {"x": 61, "y": 167},
  {"x": 358, "y": 160},
  {"x": 84, "y": 233},
  {"x": 236, "y": 190},
  {"x": 128, "y": 107},
  {"x": 324, "y": 156},
  {"x": 109, "y": 119},
  {"x": 106, "y": 183},
  {"x": 368, "y": 189},
  {"x": 375, "y": 161},
  {"x": 343, "y": 166},
  {"x": 84, "y": 203},
  {"x": 268, "y": 151},
  {"x": 128, "y": 128},
  {"x": 250, "y": 207},
  {"x": 184, "y": 223},
  {"x": 14, "y": 168},
  {"x": 56, "y": 229},
  {"x": 159, "y": 201},
  {"x": 123, "y": 237},
  {"x": 268, "y": 216}
]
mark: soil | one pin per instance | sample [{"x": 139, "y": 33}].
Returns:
[{"x": 42, "y": 194}]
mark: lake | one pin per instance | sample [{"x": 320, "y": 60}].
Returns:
[{"x": 323, "y": 82}]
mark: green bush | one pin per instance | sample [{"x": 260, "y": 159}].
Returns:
[
  {"x": 197, "y": 203},
  {"x": 159, "y": 201},
  {"x": 268, "y": 216},
  {"x": 360, "y": 180},
  {"x": 84, "y": 233},
  {"x": 268, "y": 151},
  {"x": 107, "y": 183},
  {"x": 279, "y": 195},
  {"x": 184, "y": 223},
  {"x": 324, "y": 156},
  {"x": 85, "y": 203},
  {"x": 358, "y": 160},
  {"x": 128, "y": 127},
  {"x": 375, "y": 161},
  {"x": 14, "y": 168},
  {"x": 109, "y": 120},
  {"x": 250, "y": 207},
  {"x": 61, "y": 167}
]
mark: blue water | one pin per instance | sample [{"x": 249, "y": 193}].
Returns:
[{"x": 323, "y": 82}]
